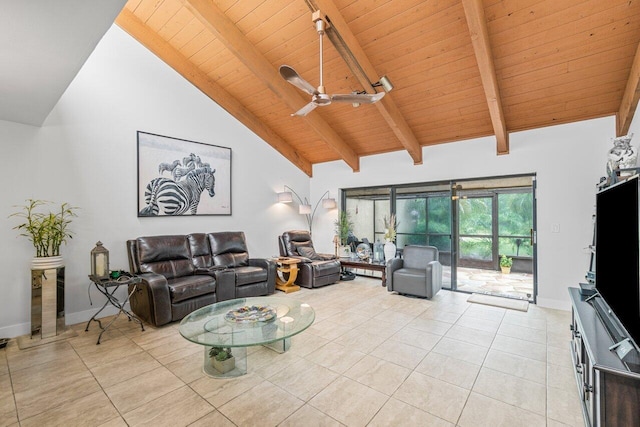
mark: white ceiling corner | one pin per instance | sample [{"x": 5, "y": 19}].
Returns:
[{"x": 43, "y": 45}]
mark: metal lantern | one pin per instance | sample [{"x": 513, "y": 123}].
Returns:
[{"x": 100, "y": 262}]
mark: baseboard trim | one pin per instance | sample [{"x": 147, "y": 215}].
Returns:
[
  {"x": 84, "y": 316},
  {"x": 19, "y": 329},
  {"x": 553, "y": 303}
]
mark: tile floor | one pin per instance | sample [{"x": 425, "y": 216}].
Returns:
[{"x": 372, "y": 358}]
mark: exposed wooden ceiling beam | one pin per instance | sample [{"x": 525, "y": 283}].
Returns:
[
  {"x": 629, "y": 98},
  {"x": 226, "y": 32},
  {"x": 474, "y": 12},
  {"x": 148, "y": 38},
  {"x": 349, "y": 48}
]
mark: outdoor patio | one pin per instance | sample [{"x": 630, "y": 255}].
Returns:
[{"x": 512, "y": 285}]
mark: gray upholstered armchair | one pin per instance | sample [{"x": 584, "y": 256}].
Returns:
[{"x": 417, "y": 273}]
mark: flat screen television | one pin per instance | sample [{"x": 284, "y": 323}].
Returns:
[{"x": 617, "y": 255}]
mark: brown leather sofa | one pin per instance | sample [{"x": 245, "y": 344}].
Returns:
[
  {"x": 315, "y": 269},
  {"x": 182, "y": 273}
]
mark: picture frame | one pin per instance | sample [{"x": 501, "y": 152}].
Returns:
[{"x": 178, "y": 177}]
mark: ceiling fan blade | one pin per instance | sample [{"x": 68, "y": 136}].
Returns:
[
  {"x": 306, "y": 109},
  {"x": 290, "y": 75},
  {"x": 358, "y": 98}
]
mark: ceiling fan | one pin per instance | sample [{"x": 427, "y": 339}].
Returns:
[{"x": 319, "y": 96}]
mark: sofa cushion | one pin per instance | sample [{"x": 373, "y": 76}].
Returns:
[
  {"x": 200, "y": 251},
  {"x": 308, "y": 252},
  {"x": 229, "y": 249},
  {"x": 183, "y": 288},
  {"x": 249, "y": 274},
  {"x": 165, "y": 255}
]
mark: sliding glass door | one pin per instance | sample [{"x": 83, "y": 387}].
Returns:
[
  {"x": 472, "y": 223},
  {"x": 494, "y": 218}
]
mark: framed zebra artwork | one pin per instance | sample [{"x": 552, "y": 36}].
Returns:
[{"x": 179, "y": 177}]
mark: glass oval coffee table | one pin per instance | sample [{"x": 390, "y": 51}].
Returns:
[{"x": 227, "y": 328}]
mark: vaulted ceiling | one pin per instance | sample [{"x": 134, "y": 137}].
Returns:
[{"x": 460, "y": 68}]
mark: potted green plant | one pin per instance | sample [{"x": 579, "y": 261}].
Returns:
[
  {"x": 344, "y": 225},
  {"x": 46, "y": 230},
  {"x": 505, "y": 264},
  {"x": 222, "y": 359}
]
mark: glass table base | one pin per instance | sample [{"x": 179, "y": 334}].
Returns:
[
  {"x": 238, "y": 367},
  {"x": 280, "y": 346},
  {"x": 218, "y": 370}
]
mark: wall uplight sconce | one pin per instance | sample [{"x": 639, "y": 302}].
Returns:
[
  {"x": 304, "y": 207},
  {"x": 285, "y": 197}
]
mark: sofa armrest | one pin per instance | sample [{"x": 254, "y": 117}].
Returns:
[
  {"x": 392, "y": 265},
  {"x": 327, "y": 257},
  {"x": 259, "y": 262},
  {"x": 434, "y": 273},
  {"x": 225, "y": 278},
  {"x": 271, "y": 268},
  {"x": 301, "y": 259},
  {"x": 152, "y": 301},
  {"x": 225, "y": 284}
]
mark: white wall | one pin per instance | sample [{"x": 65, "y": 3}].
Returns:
[
  {"x": 85, "y": 154},
  {"x": 568, "y": 160}
]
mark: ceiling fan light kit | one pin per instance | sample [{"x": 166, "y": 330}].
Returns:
[{"x": 319, "y": 96}]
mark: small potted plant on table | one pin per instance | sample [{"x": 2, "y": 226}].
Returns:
[
  {"x": 222, "y": 359},
  {"x": 505, "y": 264}
]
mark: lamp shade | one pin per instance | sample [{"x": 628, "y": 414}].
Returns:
[
  {"x": 329, "y": 203},
  {"x": 304, "y": 209},
  {"x": 285, "y": 197}
]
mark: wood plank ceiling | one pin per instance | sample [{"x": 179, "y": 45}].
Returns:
[{"x": 460, "y": 68}]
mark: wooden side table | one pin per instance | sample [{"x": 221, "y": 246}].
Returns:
[{"x": 287, "y": 274}]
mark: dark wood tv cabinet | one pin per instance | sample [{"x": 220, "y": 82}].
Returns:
[{"x": 609, "y": 389}]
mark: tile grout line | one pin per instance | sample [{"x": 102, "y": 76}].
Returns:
[{"x": 13, "y": 394}]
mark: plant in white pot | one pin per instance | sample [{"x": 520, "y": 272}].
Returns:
[
  {"x": 344, "y": 225},
  {"x": 46, "y": 229}
]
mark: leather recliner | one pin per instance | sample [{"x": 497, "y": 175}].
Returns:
[
  {"x": 314, "y": 270},
  {"x": 417, "y": 273},
  {"x": 181, "y": 273},
  {"x": 228, "y": 250}
]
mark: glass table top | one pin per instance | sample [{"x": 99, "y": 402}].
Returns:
[{"x": 212, "y": 326}]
